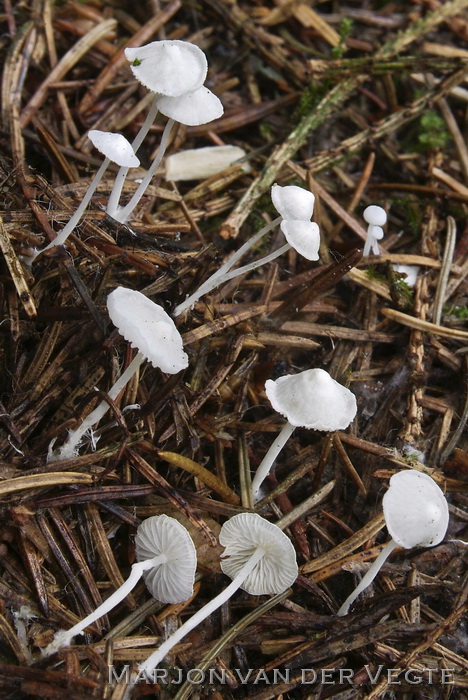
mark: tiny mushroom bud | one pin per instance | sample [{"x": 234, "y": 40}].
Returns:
[
  {"x": 167, "y": 560},
  {"x": 375, "y": 217},
  {"x": 259, "y": 558},
  {"x": 310, "y": 399},
  {"x": 147, "y": 327},
  {"x": 416, "y": 514}
]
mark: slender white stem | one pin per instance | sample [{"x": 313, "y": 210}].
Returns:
[
  {"x": 270, "y": 457},
  {"x": 219, "y": 276},
  {"x": 113, "y": 204},
  {"x": 64, "y": 637},
  {"x": 124, "y": 214},
  {"x": 370, "y": 240},
  {"x": 369, "y": 577},
  {"x": 68, "y": 449},
  {"x": 71, "y": 225},
  {"x": 156, "y": 657}
]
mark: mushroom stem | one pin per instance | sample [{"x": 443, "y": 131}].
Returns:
[
  {"x": 267, "y": 462},
  {"x": 68, "y": 449},
  {"x": 114, "y": 198},
  {"x": 73, "y": 222},
  {"x": 221, "y": 275},
  {"x": 122, "y": 215},
  {"x": 64, "y": 637},
  {"x": 156, "y": 657},
  {"x": 369, "y": 577}
]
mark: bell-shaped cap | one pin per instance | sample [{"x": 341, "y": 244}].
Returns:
[
  {"x": 115, "y": 147},
  {"x": 375, "y": 215},
  {"x": 241, "y": 535},
  {"x": 148, "y": 328},
  {"x": 312, "y": 399},
  {"x": 172, "y": 580},
  {"x": 303, "y": 236},
  {"x": 192, "y": 108},
  {"x": 293, "y": 202},
  {"x": 415, "y": 509},
  {"x": 169, "y": 67}
]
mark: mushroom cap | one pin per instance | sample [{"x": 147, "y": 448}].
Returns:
[
  {"x": 148, "y": 328},
  {"x": 303, "y": 236},
  {"x": 192, "y": 108},
  {"x": 411, "y": 272},
  {"x": 169, "y": 67},
  {"x": 375, "y": 215},
  {"x": 293, "y": 202},
  {"x": 241, "y": 535},
  {"x": 115, "y": 147},
  {"x": 376, "y": 232},
  {"x": 171, "y": 581},
  {"x": 312, "y": 399},
  {"x": 415, "y": 509}
]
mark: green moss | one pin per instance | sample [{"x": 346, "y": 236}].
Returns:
[{"x": 433, "y": 133}]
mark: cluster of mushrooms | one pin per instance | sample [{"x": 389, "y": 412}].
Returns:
[{"x": 258, "y": 556}]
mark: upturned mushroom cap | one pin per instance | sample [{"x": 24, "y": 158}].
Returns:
[
  {"x": 415, "y": 509},
  {"x": 312, "y": 399},
  {"x": 169, "y": 67},
  {"x": 375, "y": 215},
  {"x": 115, "y": 147},
  {"x": 172, "y": 581},
  {"x": 293, "y": 202},
  {"x": 148, "y": 328},
  {"x": 277, "y": 569},
  {"x": 192, "y": 108},
  {"x": 303, "y": 236}
]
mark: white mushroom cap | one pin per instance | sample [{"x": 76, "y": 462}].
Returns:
[
  {"x": 192, "y": 108},
  {"x": 376, "y": 232},
  {"x": 115, "y": 147},
  {"x": 277, "y": 569},
  {"x": 312, "y": 399},
  {"x": 293, "y": 202},
  {"x": 148, "y": 328},
  {"x": 415, "y": 509},
  {"x": 169, "y": 67},
  {"x": 303, "y": 236},
  {"x": 375, "y": 215},
  {"x": 172, "y": 581}
]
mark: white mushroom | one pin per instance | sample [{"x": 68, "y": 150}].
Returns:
[
  {"x": 148, "y": 328},
  {"x": 192, "y": 109},
  {"x": 310, "y": 399},
  {"x": 175, "y": 71},
  {"x": 259, "y": 558},
  {"x": 167, "y": 560},
  {"x": 301, "y": 234},
  {"x": 115, "y": 148},
  {"x": 416, "y": 514},
  {"x": 375, "y": 217}
]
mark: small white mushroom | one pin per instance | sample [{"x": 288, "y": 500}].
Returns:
[
  {"x": 191, "y": 109},
  {"x": 301, "y": 234},
  {"x": 311, "y": 399},
  {"x": 170, "y": 67},
  {"x": 416, "y": 514},
  {"x": 167, "y": 560},
  {"x": 409, "y": 272},
  {"x": 259, "y": 558},
  {"x": 375, "y": 217},
  {"x": 115, "y": 148},
  {"x": 293, "y": 202},
  {"x": 147, "y": 327}
]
